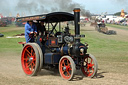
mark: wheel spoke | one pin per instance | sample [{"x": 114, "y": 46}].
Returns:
[
  {"x": 28, "y": 55},
  {"x": 63, "y": 63},
  {"x": 68, "y": 63},
  {"x": 87, "y": 60},
  {"x": 32, "y": 66},
  {"x": 31, "y": 51},
  {"x": 33, "y": 63},
  {"x": 34, "y": 60},
  {"x": 68, "y": 74},
  {"x": 90, "y": 65},
  {"x": 70, "y": 69},
  {"x": 29, "y": 64},
  {"x": 87, "y": 65},
  {"x": 88, "y": 70},
  {"x": 62, "y": 66},
  {"x": 27, "y": 67},
  {"x": 28, "y": 52},
  {"x": 92, "y": 69},
  {"x": 25, "y": 59},
  {"x": 91, "y": 61},
  {"x": 34, "y": 55},
  {"x": 63, "y": 72}
]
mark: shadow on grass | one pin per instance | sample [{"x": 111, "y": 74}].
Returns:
[
  {"x": 77, "y": 77},
  {"x": 54, "y": 72},
  {"x": 100, "y": 75}
]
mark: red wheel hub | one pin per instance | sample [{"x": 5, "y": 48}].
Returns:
[
  {"x": 65, "y": 68},
  {"x": 28, "y": 59}
]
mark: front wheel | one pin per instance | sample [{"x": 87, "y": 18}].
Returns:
[
  {"x": 90, "y": 66},
  {"x": 67, "y": 67}
]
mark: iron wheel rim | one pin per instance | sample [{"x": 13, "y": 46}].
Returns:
[
  {"x": 88, "y": 67},
  {"x": 65, "y": 68},
  {"x": 28, "y": 60}
]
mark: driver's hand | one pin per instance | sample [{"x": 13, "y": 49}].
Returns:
[
  {"x": 35, "y": 33},
  {"x": 31, "y": 32}
]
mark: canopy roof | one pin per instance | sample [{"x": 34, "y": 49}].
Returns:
[{"x": 48, "y": 18}]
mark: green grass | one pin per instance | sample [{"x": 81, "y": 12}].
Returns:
[
  {"x": 8, "y": 45},
  {"x": 118, "y": 26},
  {"x": 111, "y": 53},
  {"x": 7, "y": 27},
  {"x": 108, "y": 49}
]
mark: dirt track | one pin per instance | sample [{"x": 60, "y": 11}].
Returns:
[{"x": 11, "y": 72}]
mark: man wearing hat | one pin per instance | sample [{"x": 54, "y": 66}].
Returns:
[{"x": 30, "y": 31}]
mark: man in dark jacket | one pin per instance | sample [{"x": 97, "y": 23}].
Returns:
[{"x": 41, "y": 28}]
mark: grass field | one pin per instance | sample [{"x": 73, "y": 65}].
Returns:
[
  {"x": 110, "y": 51},
  {"x": 10, "y": 44},
  {"x": 118, "y": 26},
  {"x": 104, "y": 48}
]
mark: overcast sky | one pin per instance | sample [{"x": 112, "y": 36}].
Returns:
[
  {"x": 30, "y": 7},
  {"x": 99, "y": 6}
]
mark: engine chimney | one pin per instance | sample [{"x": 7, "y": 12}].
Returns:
[{"x": 77, "y": 23}]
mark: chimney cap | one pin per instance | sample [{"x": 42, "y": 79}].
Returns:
[{"x": 76, "y": 10}]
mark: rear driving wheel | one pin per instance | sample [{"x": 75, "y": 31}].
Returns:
[
  {"x": 30, "y": 59},
  {"x": 67, "y": 67},
  {"x": 90, "y": 66},
  {"x": 40, "y": 54}
]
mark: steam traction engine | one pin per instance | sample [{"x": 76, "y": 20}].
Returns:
[{"x": 60, "y": 49}]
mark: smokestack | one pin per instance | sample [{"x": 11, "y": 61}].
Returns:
[{"x": 77, "y": 23}]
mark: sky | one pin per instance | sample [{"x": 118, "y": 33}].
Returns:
[
  {"x": 100, "y": 6},
  {"x": 31, "y": 7}
]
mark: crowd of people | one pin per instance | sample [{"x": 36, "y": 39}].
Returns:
[
  {"x": 123, "y": 22},
  {"x": 114, "y": 20}
]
